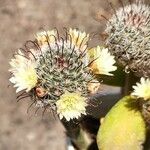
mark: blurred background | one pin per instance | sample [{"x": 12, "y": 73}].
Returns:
[{"x": 19, "y": 21}]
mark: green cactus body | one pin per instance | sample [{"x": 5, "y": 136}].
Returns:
[
  {"x": 62, "y": 72},
  {"x": 123, "y": 128},
  {"x": 62, "y": 67}
]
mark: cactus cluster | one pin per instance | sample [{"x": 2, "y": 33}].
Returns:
[{"x": 58, "y": 72}]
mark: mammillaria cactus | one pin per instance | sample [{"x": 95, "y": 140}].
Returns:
[
  {"x": 128, "y": 37},
  {"x": 58, "y": 72}
]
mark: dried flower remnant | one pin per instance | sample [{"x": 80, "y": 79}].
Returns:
[
  {"x": 128, "y": 37},
  {"x": 93, "y": 86},
  {"x": 54, "y": 71},
  {"x": 142, "y": 89}
]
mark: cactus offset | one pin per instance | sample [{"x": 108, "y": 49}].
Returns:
[{"x": 129, "y": 37}]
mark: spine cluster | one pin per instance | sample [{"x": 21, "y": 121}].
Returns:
[{"x": 129, "y": 37}]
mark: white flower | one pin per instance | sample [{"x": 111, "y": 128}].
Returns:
[
  {"x": 23, "y": 71},
  {"x": 71, "y": 105},
  {"x": 142, "y": 89},
  {"x": 79, "y": 38},
  {"x": 46, "y": 36},
  {"x": 104, "y": 61}
]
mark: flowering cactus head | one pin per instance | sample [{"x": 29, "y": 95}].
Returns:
[
  {"x": 58, "y": 72},
  {"x": 63, "y": 66}
]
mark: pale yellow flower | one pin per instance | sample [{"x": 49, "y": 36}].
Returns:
[
  {"x": 46, "y": 36},
  {"x": 23, "y": 71},
  {"x": 142, "y": 89},
  {"x": 71, "y": 105},
  {"x": 79, "y": 38},
  {"x": 17, "y": 61},
  {"x": 104, "y": 61}
]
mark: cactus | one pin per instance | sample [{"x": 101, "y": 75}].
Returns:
[
  {"x": 123, "y": 127},
  {"x": 128, "y": 37}
]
